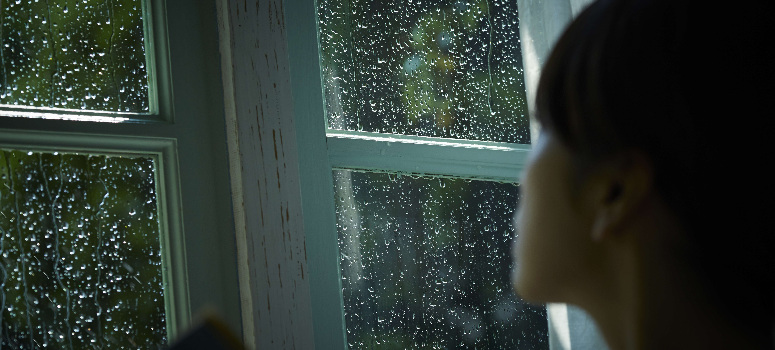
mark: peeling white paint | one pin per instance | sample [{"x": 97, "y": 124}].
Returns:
[{"x": 265, "y": 176}]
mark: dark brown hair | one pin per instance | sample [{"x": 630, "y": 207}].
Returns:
[{"x": 690, "y": 85}]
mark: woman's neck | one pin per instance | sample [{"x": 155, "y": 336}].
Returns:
[{"x": 657, "y": 304}]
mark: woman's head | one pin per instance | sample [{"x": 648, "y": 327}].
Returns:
[{"x": 687, "y": 88}]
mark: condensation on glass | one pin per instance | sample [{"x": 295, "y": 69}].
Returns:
[
  {"x": 81, "y": 258},
  {"x": 442, "y": 68},
  {"x": 74, "y": 54},
  {"x": 425, "y": 264}
]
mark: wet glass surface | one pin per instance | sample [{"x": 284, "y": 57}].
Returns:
[
  {"x": 425, "y": 264},
  {"x": 81, "y": 257},
  {"x": 74, "y": 54},
  {"x": 442, "y": 68}
]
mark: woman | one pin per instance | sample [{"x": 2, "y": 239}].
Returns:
[{"x": 647, "y": 201}]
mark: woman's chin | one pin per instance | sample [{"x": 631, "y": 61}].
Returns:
[
  {"x": 522, "y": 287},
  {"x": 535, "y": 290}
]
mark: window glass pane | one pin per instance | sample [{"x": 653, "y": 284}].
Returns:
[
  {"x": 81, "y": 257},
  {"x": 74, "y": 54},
  {"x": 443, "y": 68},
  {"x": 426, "y": 262}
]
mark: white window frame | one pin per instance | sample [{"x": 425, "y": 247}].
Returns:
[
  {"x": 185, "y": 135},
  {"x": 322, "y": 150}
]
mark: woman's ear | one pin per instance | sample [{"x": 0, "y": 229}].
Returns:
[{"x": 620, "y": 188}]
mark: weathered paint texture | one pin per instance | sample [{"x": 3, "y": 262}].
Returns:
[{"x": 274, "y": 288}]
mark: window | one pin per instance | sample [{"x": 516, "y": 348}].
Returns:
[
  {"x": 113, "y": 185},
  {"x": 426, "y": 117}
]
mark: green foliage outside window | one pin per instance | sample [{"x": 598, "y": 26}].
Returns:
[
  {"x": 73, "y": 54},
  {"x": 81, "y": 256}
]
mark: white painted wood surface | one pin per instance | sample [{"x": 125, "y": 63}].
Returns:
[
  {"x": 540, "y": 24},
  {"x": 579, "y": 5},
  {"x": 274, "y": 287},
  {"x": 467, "y": 159}
]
